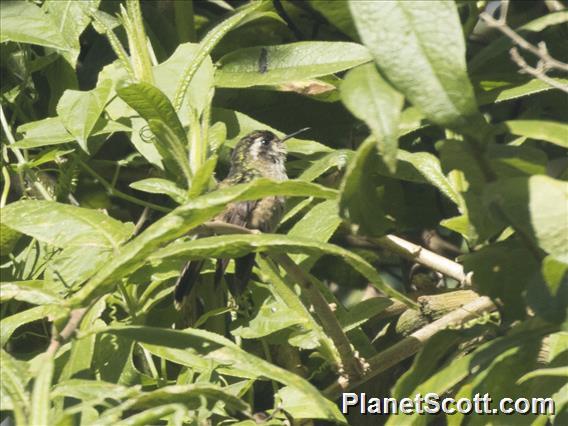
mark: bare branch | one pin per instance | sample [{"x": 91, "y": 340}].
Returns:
[
  {"x": 535, "y": 72},
  {"x": 413, "y": 343},
  {"x": 58, "y": 339},
  {"x": 416, "y": 253},
  {"x": 545, "y": 61}
]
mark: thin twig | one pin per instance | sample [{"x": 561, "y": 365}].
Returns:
[
  {"x": 141, "y": 221},
  {"x": 58, "y": 339},
  {"x": 545, "y": 61},
  {"x": 20, "y": 157},
  {"x": 119, "y": 194},
  {"x": 535, "y": 72},
  {"x": 413, "y": 343}
]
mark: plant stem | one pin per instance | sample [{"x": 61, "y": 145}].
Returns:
[
  {"x": 119, "y": 194},
  {"x": 413, "y": 343},
  {"x": 19, "y": 156},
  {"x": 352, "y": 363},
  {"x": 184, "y": 19}
]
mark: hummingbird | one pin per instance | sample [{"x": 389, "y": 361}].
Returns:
[{"x": 260, "y": 154}]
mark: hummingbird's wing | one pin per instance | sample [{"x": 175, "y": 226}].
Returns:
[
  {"x": 186, "y": 281},
  {"x": 237, "y": 214}
]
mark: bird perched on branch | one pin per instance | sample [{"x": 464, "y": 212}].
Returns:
[{"x": 259, "y": 154}]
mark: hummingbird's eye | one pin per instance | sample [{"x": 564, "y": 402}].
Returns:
[{"x": 263, "y": 141}]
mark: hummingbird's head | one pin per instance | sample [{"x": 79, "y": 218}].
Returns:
[{"x": 258, "y": 148}]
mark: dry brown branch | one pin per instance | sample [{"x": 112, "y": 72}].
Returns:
[
  {"x": 545, "y": 61},
  {"x": 413, "y": 343},
  {"x": 58, "y": 339},
  {"x": 415, "y": 253}
]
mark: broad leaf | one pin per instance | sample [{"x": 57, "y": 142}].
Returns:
[
  {"x": 63, "y": 225},
  {"x": 80, "y": 111},
  {"x": 152, "y": 104},
  {"x": 41, "y": 401},
  {"x": 272, "y": 65},
  {"x": 183, "y": 219},
  {"x": 206, "y": 46},
  {"x": 359, "y": 202},
  {"x": 550, "y": 131},
  {"x": 24, "y": 22},
  {"x": 371, "y": 99},
  {"x": 52, "y": 131},
  {"x": 425, "y": 64},
  {"x": 538, "y": 208},
  {"x": 219, "y": 349},
  {"x": 34, "y": 292},
  {"x": 234, "y": 246},
  {"x": 161, "y": 186}
]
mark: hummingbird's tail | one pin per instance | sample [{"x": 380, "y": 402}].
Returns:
[{"x": 186, "y": 281}]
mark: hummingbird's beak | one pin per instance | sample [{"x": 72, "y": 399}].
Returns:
[{"x": 297, "y": 132}]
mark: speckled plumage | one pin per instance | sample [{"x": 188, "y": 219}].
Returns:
[{"x": 259, "y": 154}]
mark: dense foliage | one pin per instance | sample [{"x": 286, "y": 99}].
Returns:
[{"x": 118, "y": 119}]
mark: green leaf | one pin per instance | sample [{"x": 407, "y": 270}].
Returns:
[
  {"x": 10, "y": 324},
  {"x": 68, "y": 266},
  {"x": 456, "y": 370},
  {"x": 371, "y": 99},
  {"x": 429, "y": 167},
  {"x": 15, "y": 375},
  {"x": 359, "y": 202},
  {"x": 338, "y": 158},
  {"x": 71, "y": 18},
  {"x": 155, "y": 414},
  {"x": 502, "y": 271},
  {"x": 538, "y": 207},
  {"x": 161, "y": 186},
  {"x": 51, "y": 131},
  {"x": 319, "y": 224},
  {"x": 550, "y": 131},
  {"x": 489, "y": 91},
  {"x": 152, "y": 104},
  {"x": 82, "y": 350},
  {"x": 217, "y": 348},
  {"x": 34, "y": 292},
  {"x": 171, "y": 147},
  {"x": 234, "y": 246},
  {"x": 422, "y": 61},
  {"x": 273, "y": 65},
  {"x": 295, "y": 404},
  {"x": 80, "y": 111},
  {"x": 24, "y": 22},
  {"x": 363, "y": 311},
  {"x": 545, "y": 372},
  {"x": 183, "y": 219},
  {"x": 63, "y": 225},
  {"x": 272, "y": 316},
  {"x": 426, "y": 363},
  {"x": 206, "y": 46},
  {"x": 40, "y": 402},
  {"x": 88, "y": 390},
  {"x": 554, "y": 273},
  {"x": 336, "y": 12},
  {"x": 203, "y": 176}
]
